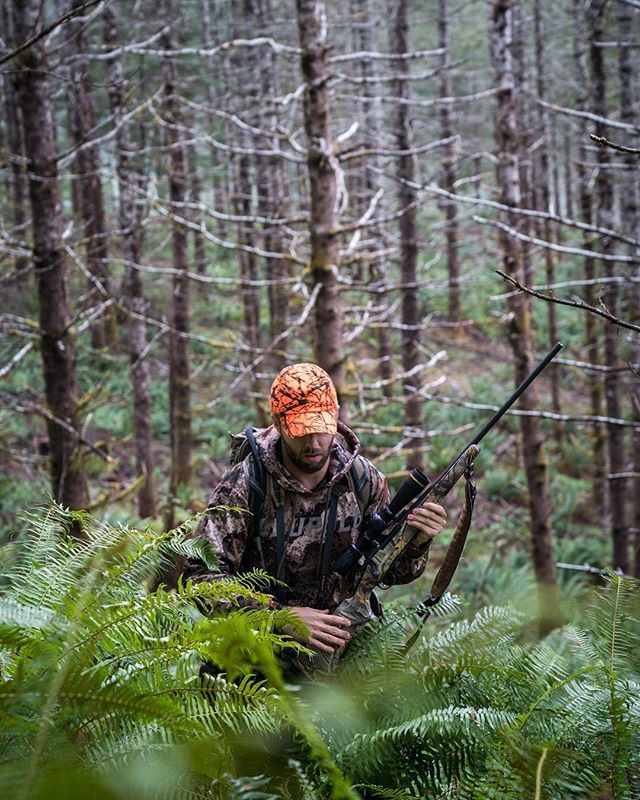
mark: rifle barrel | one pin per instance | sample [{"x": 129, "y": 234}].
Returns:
[
  {"x": 519, "y": 391},
  {"x": 503, "y": 408}
]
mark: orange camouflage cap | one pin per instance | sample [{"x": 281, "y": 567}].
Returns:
[{"x": 304, "y": 398}]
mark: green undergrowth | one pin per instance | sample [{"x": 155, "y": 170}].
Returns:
[{"x": 101, "y": 691}]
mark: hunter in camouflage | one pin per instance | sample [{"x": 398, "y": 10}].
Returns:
[{"x": 307, "y": 455}]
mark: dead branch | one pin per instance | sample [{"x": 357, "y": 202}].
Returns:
[
  {"x": 74, "y": 12},
  {"x": 572, "y": 112},
  {"x": 601, "y": 312},
  {"x": 551, "y": 415},
  {"x": 558, "y": 248},
  {"x": 619, "y": 147},
  {"x": 525, "y": 212},
  {"x": 29, "y": 407}
]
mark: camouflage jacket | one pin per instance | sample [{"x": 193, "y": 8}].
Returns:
[{"x": 228, "y": 526}]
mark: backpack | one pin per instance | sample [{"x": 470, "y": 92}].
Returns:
[{"x": 358, "y": 477}]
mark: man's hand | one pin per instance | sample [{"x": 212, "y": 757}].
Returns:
[
  {"x": 326, "y": 630},
  {"x": 429, "y": 519}
]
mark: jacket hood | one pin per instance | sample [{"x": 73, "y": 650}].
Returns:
[{"x": 346, "y": 447}]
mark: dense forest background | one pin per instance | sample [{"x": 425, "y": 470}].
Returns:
[{"x": 422, "y": 197}]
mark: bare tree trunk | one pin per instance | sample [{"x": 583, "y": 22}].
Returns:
[
  {"x": 405, "y": 171},
  {"x": 520, "y": 333},
  {"x": 365, "y": 23},
  {"x": 272, "y": 197},
  {"x": 13, "y": 119},
  {"x": 599, "y": 458},
  {"x": 56, "y": 340},
  {"x": 179, "y": 367},
  {"x": 629, "y": 63},
  {"x": 604, "y": 195},
  {"x": 630, "y": 210},
  {"x": 199, "y": 242},
  {"x": 449, "y": 174},
  {"x": 133, "y": 289},
  {"x": 89, "y": 184},
  {"x": 547, "y": 196},
  {"x": 324, "y": 194}
]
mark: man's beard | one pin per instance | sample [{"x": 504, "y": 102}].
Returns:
[{"x": 299, "y": 459}]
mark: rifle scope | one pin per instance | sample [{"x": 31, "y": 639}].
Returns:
[{"x": 365, "y": 544}]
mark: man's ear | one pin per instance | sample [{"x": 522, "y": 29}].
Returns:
[{"x": 275, "y": 419}]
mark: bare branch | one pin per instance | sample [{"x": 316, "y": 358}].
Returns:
[
  {"x": 455, "y": 401},
  {"x": 572, "y": 112},
  {"x": 620, "y": 147},
  {"x": 16, "y": 359},
  {"x": 558, "y": 248},
  {"x": 572, "y": 303},
  {"x": 74, "y": 12},
  {"x": 364, "y": 55},
  {"x": 29, "y": 407}
]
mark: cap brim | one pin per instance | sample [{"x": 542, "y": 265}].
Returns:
[{"x": 309, "y": 422}]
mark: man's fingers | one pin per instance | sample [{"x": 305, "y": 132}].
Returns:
[
  {"x": 430, "y": 518},
  {"x": 326, "y": 631}
]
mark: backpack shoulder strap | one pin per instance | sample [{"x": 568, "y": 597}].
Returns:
[
  {"x": 360, "y": 480},
  {"x": 256, "y": 478}
]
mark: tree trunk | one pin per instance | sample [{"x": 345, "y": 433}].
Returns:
[
  {"x": 599, "y": 457},
  {"x": 630, "y": 210},
  {"x": 199, "y": 241},
  {"x": 13, "y": 119},
  {"x": 449, "y": 175},
  {"x": 324, "y": 196},
  {"x": 179, "y": 367},
  {"x": 547, "y": 204},
  {"x": 89, "y": 184},
  {"x": 405, "y": 171},
  {"x": 273, "y": 203},
  {"x": 134, "y": 299},
  {"x": 604, "y": 216},
  {"x": 56, "y": 340},
  {"x": 521, "y": 333},
  {"x": 365, "y": 24}
]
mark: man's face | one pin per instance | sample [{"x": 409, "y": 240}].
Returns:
[{"x": 308, "y": 453}]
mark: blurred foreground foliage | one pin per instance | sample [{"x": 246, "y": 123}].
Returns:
[{"x": 102, "y": 696}]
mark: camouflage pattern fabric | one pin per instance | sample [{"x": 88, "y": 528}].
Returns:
[
  {"x": 304, "y": 398},
  {"x": 229, "y": 529}
]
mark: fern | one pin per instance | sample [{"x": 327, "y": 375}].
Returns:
[{"x": 102, "y": 677}]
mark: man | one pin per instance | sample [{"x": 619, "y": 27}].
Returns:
[{"x": 311, "y": 509}]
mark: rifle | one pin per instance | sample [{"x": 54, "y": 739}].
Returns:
[{"x": 386, "y": 534}]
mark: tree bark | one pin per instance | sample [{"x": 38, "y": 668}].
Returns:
[
  {"x": 365, "y": 24},
  {"x": 547, "y": 204},
  {"x": 604, "y": 216},
  {"x": 179, "y": 366},
  {"x": 273, "y": 202},
  {"x": 520, "y": 331},
  {"x": 56, "y": 338},
  {"x": 630, "y": 211},
  {"x": 134, "y": 299},
  {"x": 324, "y": 195},
  {"x": 449, "y": 173},
  {"x": 89, "y": 185},
  {"x": 585, "y": 200},
  {"x": 13, "y": 119},
  {"x": 405, "y": 171}
]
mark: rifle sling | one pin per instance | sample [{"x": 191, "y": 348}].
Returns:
[{"x": 451, "y": 559}]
